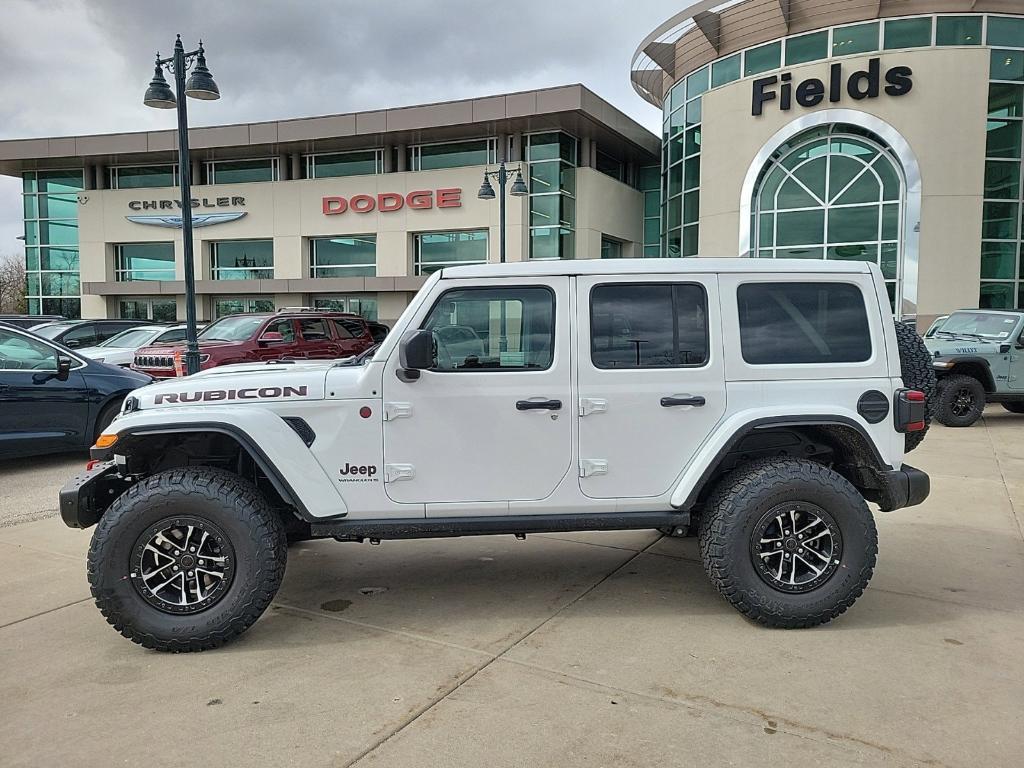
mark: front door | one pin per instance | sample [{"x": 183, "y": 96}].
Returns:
[
  {"x": 492, "y": 420},
  {"x": 651, "y": 379},
  {"x": 278, "y": 341}
]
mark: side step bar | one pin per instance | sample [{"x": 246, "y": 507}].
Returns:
[{"x": 426, "y": 528}]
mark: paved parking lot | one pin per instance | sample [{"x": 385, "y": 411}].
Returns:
[{"x": 563, "y": 650}]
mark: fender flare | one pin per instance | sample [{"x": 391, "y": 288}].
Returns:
[
  {"x": 280, "y": 483},
  {"x": 769, "y": 422},
  {"x": 989, "y": 381}
]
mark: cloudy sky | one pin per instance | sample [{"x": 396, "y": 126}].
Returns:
[{"x": 81, "y": 66}]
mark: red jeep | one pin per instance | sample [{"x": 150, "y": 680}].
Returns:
[{"x": 285, "y": 334}]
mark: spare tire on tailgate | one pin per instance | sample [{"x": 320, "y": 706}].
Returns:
[{"x": 917, "y": 373}]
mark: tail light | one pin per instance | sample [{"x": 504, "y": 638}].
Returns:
[{"x": 910, "y": 410}]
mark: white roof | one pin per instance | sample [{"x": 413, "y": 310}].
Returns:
[{"x": 654, "y": 266}]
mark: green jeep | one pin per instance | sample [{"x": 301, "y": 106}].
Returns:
[{"x": 978, "y": 355}]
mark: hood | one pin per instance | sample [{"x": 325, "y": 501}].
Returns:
[
  {"x": 245, "y": 383},
  {"x": 170, "y": 347},
  {"x": 950, "y": 346}
]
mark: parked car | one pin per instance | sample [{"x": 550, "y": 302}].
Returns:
[
  {"x": 937, "y": 323},
  {"x": 120, "y": 349},
  {"x": 764, "y": 402},
  {"x": 286, "y": 334},
  {"x": 79, "y": 334},
  {"x": 53, "y": 399},
  {"x": 28, "y": 321},
  {"x": 978, "y": 356}
]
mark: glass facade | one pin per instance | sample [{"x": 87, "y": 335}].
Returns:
[
  {"x": 1002, "y": 226},
  {"x": 144, "y": 261},
  {"x": 650, "y": 185},
  {"x": 157, "y": 310},
  {"x": 236, "y": 305},
  {"x": 343, "y": 256},
  {"x": 434, "y": 250},
  {"x": 611, "y": 249},
  {"x": 681, "y": 158},
  {"x": 51, "y": 242},
  {"x": 359, "y": 304},
  {"x": 242, "y": 260},
  {"x": 452, "y": 154},
  {"x": 241, "y": 171},
  {"x": 362, "y": 163},
  {"x": 142, "y": 176},
  {"x": 552, "y": 160},
  {"x": 830, "y": 194}
]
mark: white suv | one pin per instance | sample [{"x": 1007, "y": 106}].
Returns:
[{"x": 760, "y": 402}]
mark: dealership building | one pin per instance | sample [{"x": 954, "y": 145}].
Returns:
[
  {"x": 348, "y": 211},
  {"x": 888, "y": 131}
]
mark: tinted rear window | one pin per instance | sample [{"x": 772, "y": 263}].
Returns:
[{"x": 803, "y": 323}]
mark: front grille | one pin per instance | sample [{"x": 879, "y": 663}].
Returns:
[{"x": 154, "y": 361}]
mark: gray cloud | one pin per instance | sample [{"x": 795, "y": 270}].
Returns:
[{"x": 81, "y": 66}]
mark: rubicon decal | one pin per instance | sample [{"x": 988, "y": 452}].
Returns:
[{"x": 217, "y": 395}]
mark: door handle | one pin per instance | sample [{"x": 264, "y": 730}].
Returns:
[
  {"x": 538, "y": 405},
  {"x": 694, "y": 400}
]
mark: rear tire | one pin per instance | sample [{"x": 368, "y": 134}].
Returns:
[
  {"x": 828, "y": 572},
  {"x": 917, "y": 373},
  {"x": 961, "y": 401},
  {"x": 224, "y": 575},
  {"x": 1013, "y": 407}
]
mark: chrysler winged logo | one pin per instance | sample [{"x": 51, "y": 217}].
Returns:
[{"x": 198, "y": 219}]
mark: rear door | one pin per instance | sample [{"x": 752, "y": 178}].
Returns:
[
  {"x": 351, "y": 337},
  {"x": 651, "y": 379},
  {"x": 316, "y": 339}
]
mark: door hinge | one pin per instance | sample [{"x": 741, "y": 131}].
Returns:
[
  {"x": 591, "y": 467},
  {"x": 395, "y": 472},
  {"x": 394, "y": 411},
  {"x": 590, "y": 405}
]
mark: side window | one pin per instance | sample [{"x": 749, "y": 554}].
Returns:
[
  {"x": 314, "y": 329},
  {"x": 353, "y": 328},
  {"x": 803, "y": 323},
  {"x": 178, "y": 334},
  {"x": 22, "y": 353},
  {"x": 285, "y": 327},
  {"x": 81, "y": 336},
  {"x": 342, "y": 330},
  {"x": 493, "y": 329},
  {"x": 648, "y": 325},
  {"x": 106, "y": 331}
]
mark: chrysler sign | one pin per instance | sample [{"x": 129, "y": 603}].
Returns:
[
  {"x": 386, "y": 202},
  {"x": 172, "y": 221}
]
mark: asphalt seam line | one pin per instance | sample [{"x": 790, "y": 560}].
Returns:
[
  {"x": 43, "y": 613},
  {"x": 1002, "y": 476}
]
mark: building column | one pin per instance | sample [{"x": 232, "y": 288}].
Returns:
[
  {"x": 401, "y": 158},
  {"x": 502, "y": 153},
  {"x": 196, "y": 170},
  {"x": 296, "y": 162},
  {"x": 388, "y": 160},
  {"x": 516, "y": 154},
  {"x": 99, "y": 176},
  {"x": 585, "y": 152}
]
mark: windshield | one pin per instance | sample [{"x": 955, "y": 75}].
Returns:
[
  {"x": 133, "y": 338},
  {"x": 237, "y": 328},
  {"x": 52, "y": 331},
  {"x": 986, "y": 325}
]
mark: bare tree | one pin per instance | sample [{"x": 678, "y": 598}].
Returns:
[{"x": 12, "y": 284}]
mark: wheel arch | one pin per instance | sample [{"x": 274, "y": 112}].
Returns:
[
  {"x": 973, "y": 366},
  {"x": 828, "y": 439}
]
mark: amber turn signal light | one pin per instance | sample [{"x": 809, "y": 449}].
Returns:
[{"x": 105, "y": 441}]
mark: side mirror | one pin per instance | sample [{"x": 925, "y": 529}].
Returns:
[
  {"x": 72, "y": 343},
  {"x": 415, "y": 354},
  {"x": 64, "y": 364},
  {"x": 271, "y": 337}
]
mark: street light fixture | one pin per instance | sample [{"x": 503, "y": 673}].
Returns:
[
  {"x": 519, "y": 189},
  {"x": 160, "y": 96}
]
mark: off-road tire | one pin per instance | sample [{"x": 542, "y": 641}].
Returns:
[
  {"x": 223, "y": 499},
  {"x": 729, "y": 522},
  {"x": 917, "y": 373},
  {"x": 1013, "y": 407},
  {"x": 950, "y": 390},
  {"x": 106, "y": 417}
]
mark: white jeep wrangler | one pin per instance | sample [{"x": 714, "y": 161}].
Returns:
[{"x": 759, "y": 402}]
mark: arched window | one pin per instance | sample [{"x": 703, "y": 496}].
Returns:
[{"x": 832, "y": 192}]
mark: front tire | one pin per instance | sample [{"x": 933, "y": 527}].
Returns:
[
  {"x": 961, "y": 401},
  {"x": 216, "y": 539},
  {"x": 813, "y": 567}
]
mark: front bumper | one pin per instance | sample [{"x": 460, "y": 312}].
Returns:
[
  {"x": 85, "y": 497},
  {"x": 904, "y": 487}
]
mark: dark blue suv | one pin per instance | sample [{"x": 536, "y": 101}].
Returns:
[{"x": 52, "y": 399}]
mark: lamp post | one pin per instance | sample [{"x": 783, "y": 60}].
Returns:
[
  {"x": 486, "y": 192},
  {"x": 160, "y": 96}
]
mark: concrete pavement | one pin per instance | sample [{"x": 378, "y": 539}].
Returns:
[{"x": 564, "y": 650}]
